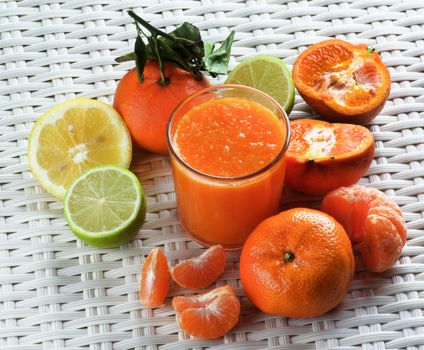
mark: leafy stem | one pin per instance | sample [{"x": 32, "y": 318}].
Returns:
[
  {"x": 183, "y": 47},
  {"x": 163, "y": 80}
]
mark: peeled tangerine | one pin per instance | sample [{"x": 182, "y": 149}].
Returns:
[
  {"x": 373, "y": 222},
  {"x": 342, "y": 82}
]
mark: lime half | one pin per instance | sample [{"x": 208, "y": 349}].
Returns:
[
  {"x": 268, "y": 74},
  {"x": 105, "y": 206}
]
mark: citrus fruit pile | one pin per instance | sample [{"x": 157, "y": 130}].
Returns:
[
  {"x": 79, "y": 151},
  {"x": 298, "y": 263}
]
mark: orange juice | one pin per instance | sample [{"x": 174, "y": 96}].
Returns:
[{"x": 228, "y": 166}]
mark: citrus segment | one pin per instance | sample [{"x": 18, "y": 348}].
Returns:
[
  {"x": 155, "y": 279},
  {"x": 105, "y": 206},
  {"x": 341, "y": 81},
  {"x": 268, "y": 74},
  {"x": 210, "y": 315},
  {"x": 298, "y": 263},
  {"x": 201, "y": 271},
  {"x": 73, "y": 137},
  {"x": 323, "y": 156},
  {"x": 373, "y": 221}
]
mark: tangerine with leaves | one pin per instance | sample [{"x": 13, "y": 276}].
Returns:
[
  {"x": 146, "y": 107},
  {"x": 373, "y": 221},
  {"x": 201, "y": 271},
  {"x": 298, "y": 263},
  {"x": 168, "y": 69},
  {"x": 155, "y": 279},
  {"x": 210, "y": 315},
  {"x": 323, "y": 156},
  {"x": 341, "y": 81}
]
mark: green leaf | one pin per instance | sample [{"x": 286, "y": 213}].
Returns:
[
  {"x": 146, "y": 24},
  {"x": 183, "y": 47},
  {"x": 217, "y": 60},
  {"x": 209, "y": 47},
  {"x": 124, "y": 58},
  {"x": 188, "y": 45},
  {"x": 140, "y": 51},
  {"x": 188, "y": 35}
]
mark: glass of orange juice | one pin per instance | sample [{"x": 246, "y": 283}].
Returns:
[{"x": 227, "y": 146}]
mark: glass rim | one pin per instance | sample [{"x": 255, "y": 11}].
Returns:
[{"x": 229, "y": 178}]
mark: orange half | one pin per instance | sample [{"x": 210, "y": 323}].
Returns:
[
  {"x": 341, "y": 81},
  {"x": 323, "y": 156}
]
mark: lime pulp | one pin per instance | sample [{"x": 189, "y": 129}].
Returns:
[
  {"x": 268, "y": 74},
  {"x": 105, "y": 206}
]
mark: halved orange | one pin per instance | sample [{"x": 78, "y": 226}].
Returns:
[
  {"x": 155, "y": 279},
  {"x": 342, "y": 82},
  {"x": 210, "y": 315},
  {"x": 374, "y": 223},
  {"x": 323, "y": 156},
  {"x": 201, "y": 271}
]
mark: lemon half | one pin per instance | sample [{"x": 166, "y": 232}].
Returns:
[{"x": 73, "y": 137}]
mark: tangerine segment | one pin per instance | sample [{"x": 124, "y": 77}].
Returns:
[
  {"x": 155, "y": 278},
  {"x": 324, "y": 156},
  {"x": 201, "y": 271},
  {"x": 340, "y": 80},
  {"x": 373, "y": 222},
  {"x": 210, "y": 315},
  {"x": 298, "y": 263}
]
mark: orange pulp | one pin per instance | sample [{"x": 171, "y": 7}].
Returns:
[{"x": 230, "y": 140}]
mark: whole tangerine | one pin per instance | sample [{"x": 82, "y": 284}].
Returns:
[
  {"x": 147, "y": 106},
  {"x": 298, "y": 263}
]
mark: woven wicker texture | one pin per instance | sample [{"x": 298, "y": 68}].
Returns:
[{"x": 57, "y": 293}]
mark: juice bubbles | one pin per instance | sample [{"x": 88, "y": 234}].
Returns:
[{"x": 227, "y": 147}]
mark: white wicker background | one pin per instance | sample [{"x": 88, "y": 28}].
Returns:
[{"x": 57, "y": 293}]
